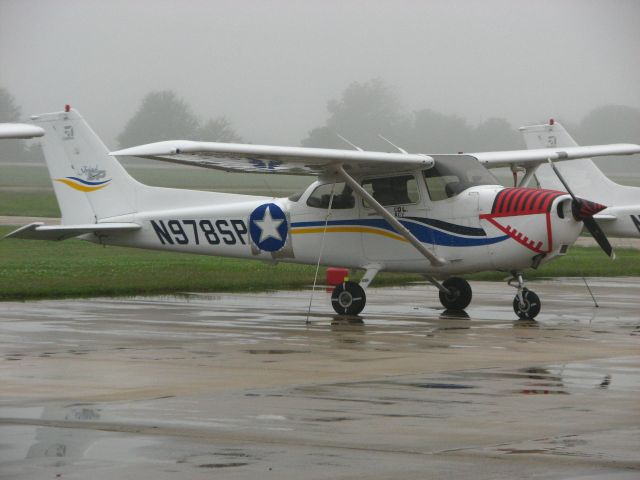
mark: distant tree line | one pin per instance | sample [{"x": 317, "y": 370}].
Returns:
[
  {"x": 364, "y": 111},
  {"x": 164, "y": 116},
  {"x": 369, "y": 109}
]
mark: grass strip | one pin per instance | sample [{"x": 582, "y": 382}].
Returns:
[{"x": 31, "y": 269}]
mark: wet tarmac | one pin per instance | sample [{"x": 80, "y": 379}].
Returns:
[{"x": 239, "y": 386}]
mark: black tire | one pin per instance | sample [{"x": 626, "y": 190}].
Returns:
[
  {"x": 460, "y": 296},
  {"x": 348, "y": 298},
  {"x": 531, "y": 306}
]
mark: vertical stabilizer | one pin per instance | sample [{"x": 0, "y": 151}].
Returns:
[
  {"x": 585, "y": 178},
  {"x": 88, "y": 183}
]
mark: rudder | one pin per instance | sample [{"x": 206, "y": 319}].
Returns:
[{"x": 89, "y": 184}]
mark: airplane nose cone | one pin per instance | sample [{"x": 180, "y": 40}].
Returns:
[{"x": 582, "y": 208}]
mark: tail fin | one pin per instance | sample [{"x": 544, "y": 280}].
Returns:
[
  {"x": 585, "y": 178},
  {"x": 88, "y": 183}
]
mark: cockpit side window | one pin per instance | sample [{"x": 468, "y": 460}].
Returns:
[
  {"x": 342, "y": 197},
  {"x": 400, "y": 190}
]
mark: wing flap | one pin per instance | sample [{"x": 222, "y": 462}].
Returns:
[
  {"x": 540, "y": 155},
  {"x": 40, "y": 231},
  {"x": 273, "y": 159}
]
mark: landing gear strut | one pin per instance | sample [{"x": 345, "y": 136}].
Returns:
[{"x": 526, "y": 303}]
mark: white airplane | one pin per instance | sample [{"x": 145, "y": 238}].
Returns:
[
  {"x": 621, "y": 218},
  {"x": 436, "y": 215}
]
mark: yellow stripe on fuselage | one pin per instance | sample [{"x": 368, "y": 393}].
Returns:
[
  {"x": 374, "y": 231},
  {"x": 79, "y": 186}
]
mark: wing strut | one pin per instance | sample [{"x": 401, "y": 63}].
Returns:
[{"x": 393, "y": 221}]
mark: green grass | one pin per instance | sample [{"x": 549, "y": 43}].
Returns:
[
  {"x": 39, "y": 203},
  {"x": 580, "y": 262},
  {"x": 32, "y": 269},
  {"x": 37, "y": 269}
]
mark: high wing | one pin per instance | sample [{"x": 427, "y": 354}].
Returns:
[
  {"x": 235, "y": 157},
  {"x": 531, "y": 158},
  {"x": 40, "y": 231}
]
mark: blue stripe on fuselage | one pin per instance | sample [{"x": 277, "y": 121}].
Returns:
[{"x": 422, "y": 232}]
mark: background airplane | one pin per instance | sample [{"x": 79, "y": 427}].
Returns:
[
  {"x": 622, "y": 216},
  {"x": 438, "y": 215}
]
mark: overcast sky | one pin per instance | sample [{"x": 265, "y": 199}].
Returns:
[{"x": 271, "y": 66}]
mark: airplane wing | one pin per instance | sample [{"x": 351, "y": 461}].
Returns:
[
  {"x": 530, "y": 158},
  {"x": 40, "y": 231},
  {"x": 235, "y": 157},
  {"x": 20, "y": 130}
]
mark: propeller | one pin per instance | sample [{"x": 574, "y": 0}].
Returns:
[{"x": 585, "y": 210}]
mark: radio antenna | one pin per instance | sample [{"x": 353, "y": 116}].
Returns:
[{"x": 401, "y": 150}]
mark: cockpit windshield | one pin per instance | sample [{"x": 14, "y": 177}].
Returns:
[{"x": 452, "y": 175}]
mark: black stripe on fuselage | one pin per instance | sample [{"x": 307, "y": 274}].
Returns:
[{"x": 450, "y": 227}]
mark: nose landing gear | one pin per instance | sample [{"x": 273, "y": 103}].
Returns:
[{"x": 526, "y": 303}]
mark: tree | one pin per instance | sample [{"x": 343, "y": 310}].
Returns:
[
  {"x": 610, "y": 124},
  {"x": 164, "y": 116},
  {"x": 364, "y": 111},
  {"x": 372, "y": 108},
  {"x": 434, "y": 132},
  {"x": 10, "y": 150},
  {"x": 161, "y": 116},
  {"x": 496, "y": 134},
  {"x": 9, "y": 111},
  {"x": 218, "y": 130}
]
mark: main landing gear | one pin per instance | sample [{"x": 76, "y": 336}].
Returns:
[
  {"x": 348, "y": 298},
  {"x": 526, "y": 303},
  {"x": 456, "y": 294}
]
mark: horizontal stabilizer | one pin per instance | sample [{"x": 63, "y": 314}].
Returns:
[
  {"x": 40, "y": 231},
  {"x": 20, "y": 130}
]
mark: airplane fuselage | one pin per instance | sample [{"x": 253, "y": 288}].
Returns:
[{"x": 475, "y": 230}]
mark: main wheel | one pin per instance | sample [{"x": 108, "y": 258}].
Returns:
[
  {"x": 531, "y": 306},
  {"x": 348, "y": 298},
  {"x": 460, "y": 296}
]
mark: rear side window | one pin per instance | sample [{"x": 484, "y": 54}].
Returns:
[{"x": 401, "y": 190}]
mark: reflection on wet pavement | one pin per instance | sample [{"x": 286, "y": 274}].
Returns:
[{"x": 183, "y": 387}]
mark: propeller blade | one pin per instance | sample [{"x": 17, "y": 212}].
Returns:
[
  {"x": 584, "y": 210},
  {"x": 600, "y": 237}
]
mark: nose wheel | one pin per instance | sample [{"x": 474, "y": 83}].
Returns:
[
  {"x": 348, "y": 298},
  {"x": 526, "y": 303},
  {"x": 529, "y": 307}
]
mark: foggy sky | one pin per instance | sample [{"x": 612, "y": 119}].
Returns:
[{"x": 271, "y": 66}]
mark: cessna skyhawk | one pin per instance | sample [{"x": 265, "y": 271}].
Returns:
[{"x": 436, "y": 215}]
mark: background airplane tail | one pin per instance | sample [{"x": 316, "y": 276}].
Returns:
[
  {"x": 88, "y": 183},
  {"x": 584, "y": 177}
]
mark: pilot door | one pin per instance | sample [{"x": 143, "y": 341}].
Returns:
[
  {"x": 314, "y": 223},
  {"x": 402, "y": 196}
]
